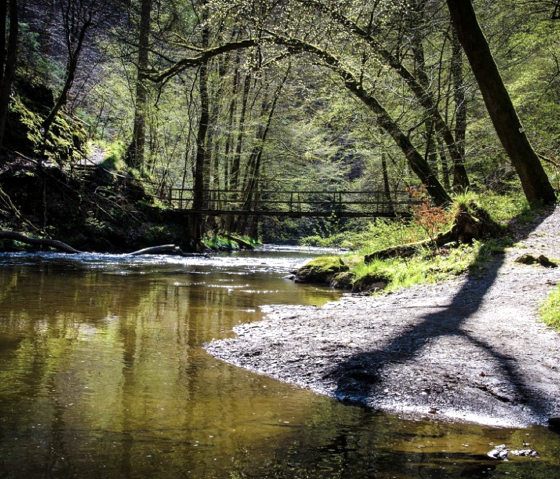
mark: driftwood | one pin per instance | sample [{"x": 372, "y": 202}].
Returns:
[
  {"x": 162, "y": 249},
  {"x": 59, "y": 245}
]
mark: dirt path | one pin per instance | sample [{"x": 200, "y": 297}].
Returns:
[{"x": 469, "y": 350}]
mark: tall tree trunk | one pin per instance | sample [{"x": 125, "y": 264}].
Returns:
[
  {"x": 200, "y": 164},
  {"x": 460, "y": 111},
  {"x": 239, "y": 148},
  {"x": 534, "y": 180},
  {"x": 444, "y": 165},
  {"x": 229, "y": 137},
  {"x": 417, "y": 163},
  {"x": 460, "y": 177},
  {"x": 386, "y": 187},
  {"x": 8, "y": 61},
  {"x": 415, "y": 84},
  {"x": 136, "y": 150}
]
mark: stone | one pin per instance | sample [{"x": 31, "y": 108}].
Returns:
[
  {"x": 554, "y": 423},
  {"x": 321, "y": 270},
  {"x": 499, "y": 452}
]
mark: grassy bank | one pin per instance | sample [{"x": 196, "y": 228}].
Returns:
[{"x": 430, "y": 264}]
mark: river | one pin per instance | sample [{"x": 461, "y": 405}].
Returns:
[{"x": 103, "y": 375}]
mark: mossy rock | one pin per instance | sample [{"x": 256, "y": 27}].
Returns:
[
  {"x": 320, "y": 270},
  {"x": 542, "y": 260},
  {"x": 31, "y": 103},
  {"x": 343, "y": 280},
  {"x": 370, "y": 283}
]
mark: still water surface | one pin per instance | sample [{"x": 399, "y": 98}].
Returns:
[{"x": 103, "y": 375}]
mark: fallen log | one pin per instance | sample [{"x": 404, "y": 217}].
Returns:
[
  {"x": 162, "y": 249},
  {"x": 59, "y": 245}
]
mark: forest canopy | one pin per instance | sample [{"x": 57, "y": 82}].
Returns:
[{"x": 249, "y": 95}]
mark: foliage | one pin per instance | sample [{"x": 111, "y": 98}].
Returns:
[
  {"x": 320, "y": 134},
  {"x": 114, "y": 156},
  {"x": 550, "y": 309},
  {"x": 429, "y": 217}
]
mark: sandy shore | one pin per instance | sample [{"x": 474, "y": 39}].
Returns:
[{"x": 469, "y": 350}]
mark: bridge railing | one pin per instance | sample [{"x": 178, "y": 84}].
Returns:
[{"x": 309, "y": 202}]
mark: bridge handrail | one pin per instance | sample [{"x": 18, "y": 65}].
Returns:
[{"x": 280, "y": 202}]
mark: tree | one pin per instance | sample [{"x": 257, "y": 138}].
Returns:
[
  {"x": 135, "y": 153},
  {"x": 8, "y": 60},
  {"x": 534, "y": 180},
  {"x": 78, "y": 17}
]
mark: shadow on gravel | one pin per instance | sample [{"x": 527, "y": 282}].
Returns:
[{"x": 359, "y": 376}]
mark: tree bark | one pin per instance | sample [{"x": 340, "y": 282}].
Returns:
[
  {"x": 534, "y": 180},
  {"x": 460, "y": 180},
  {"x": 200, "y": 166},
  {"x": 135, "y": 153},
  {"x": 418, "y": 85},
  {"x": 236, "y": 164},
  {"x": 8, "y": 61}
]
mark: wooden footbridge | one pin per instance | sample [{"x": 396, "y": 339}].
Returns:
[{"x": 295, "y": 204}]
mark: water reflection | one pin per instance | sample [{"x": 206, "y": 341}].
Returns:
[{"x": 102, "y": 374}]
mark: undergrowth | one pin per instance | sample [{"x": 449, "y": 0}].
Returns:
[
  {"x": 427, "y": 267},
  {"x": 382, "y": 233}
]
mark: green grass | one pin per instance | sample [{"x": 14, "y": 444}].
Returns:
[
  {"x": 550, "y": 309},
  {"x": 503, "y": 208},
  {"x": 381, "y": 233},
  {"x": 425, "y": 267}
]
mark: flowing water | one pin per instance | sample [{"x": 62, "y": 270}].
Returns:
[{"x": 103, "y": 375}]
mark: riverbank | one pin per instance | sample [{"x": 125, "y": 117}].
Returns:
[{"x": 467, "y": 350}]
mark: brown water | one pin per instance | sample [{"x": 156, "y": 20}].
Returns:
[{"x": 103, "y": 375}]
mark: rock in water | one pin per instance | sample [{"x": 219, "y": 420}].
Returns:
[{"x": 499, "y": 452}]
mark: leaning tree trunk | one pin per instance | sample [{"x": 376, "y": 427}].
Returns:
[
  {"x": 533, "y": 178},
  {"x": 71, "y": 68}
]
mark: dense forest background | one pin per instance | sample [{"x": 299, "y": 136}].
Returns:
[{"x": 257, "y": 95}]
